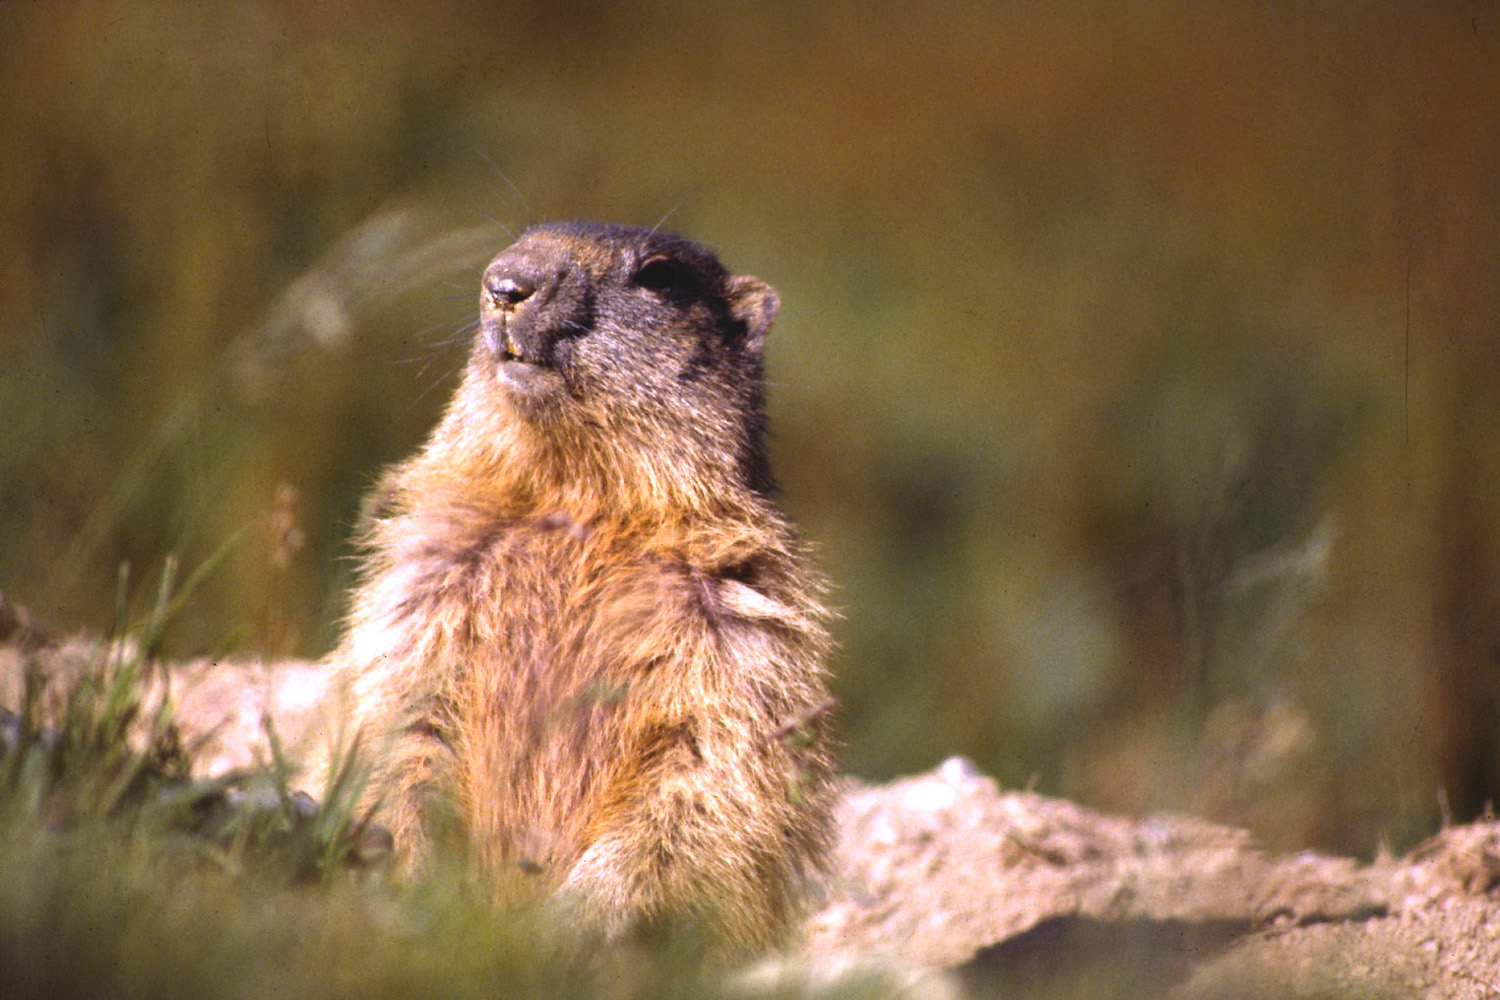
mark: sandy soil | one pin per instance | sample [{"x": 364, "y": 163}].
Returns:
[{"x": 1023, "y": 895}]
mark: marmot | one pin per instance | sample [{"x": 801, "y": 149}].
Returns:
[{"x": 595, "y": 643}]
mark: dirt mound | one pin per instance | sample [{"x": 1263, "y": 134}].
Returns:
[{"x": 1029, "y": 896}]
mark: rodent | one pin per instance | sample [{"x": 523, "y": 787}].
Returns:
[{"x": 592, "y": 641}]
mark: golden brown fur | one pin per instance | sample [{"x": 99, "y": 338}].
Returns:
[{"x": 594, "y": 644}]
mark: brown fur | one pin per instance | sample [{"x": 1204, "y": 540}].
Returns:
[{"x": 593, "y": 642}]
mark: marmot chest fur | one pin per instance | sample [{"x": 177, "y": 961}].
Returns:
[{"x": 592, "y": 645}]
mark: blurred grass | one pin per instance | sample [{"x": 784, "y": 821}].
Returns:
[
  {"x": 1136, "y": 373},
  {"x": 121, "y": 875}
]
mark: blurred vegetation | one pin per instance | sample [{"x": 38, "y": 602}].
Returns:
[
  {"x": 123, "y": 876},
  {"x": 1137, "y": 371}
]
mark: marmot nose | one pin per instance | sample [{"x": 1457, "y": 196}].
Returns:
[{"x": 509, "y": 290}]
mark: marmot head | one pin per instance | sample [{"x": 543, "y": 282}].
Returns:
[{"x": 603, "y": 338}]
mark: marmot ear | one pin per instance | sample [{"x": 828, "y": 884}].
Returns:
[{"x": 753, "y": 303}]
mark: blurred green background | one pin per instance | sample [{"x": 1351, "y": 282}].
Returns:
[{"x": 1136, "y": 374}]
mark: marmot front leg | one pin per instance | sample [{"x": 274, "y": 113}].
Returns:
[
  {"x": 675, "y": 839},
  {"x": 414, "y": 786}
]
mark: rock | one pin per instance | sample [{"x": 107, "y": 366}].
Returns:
[{"x": 1030, "y": 896}]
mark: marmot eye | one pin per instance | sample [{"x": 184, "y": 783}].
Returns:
[{"x": 661, "y": 274}]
